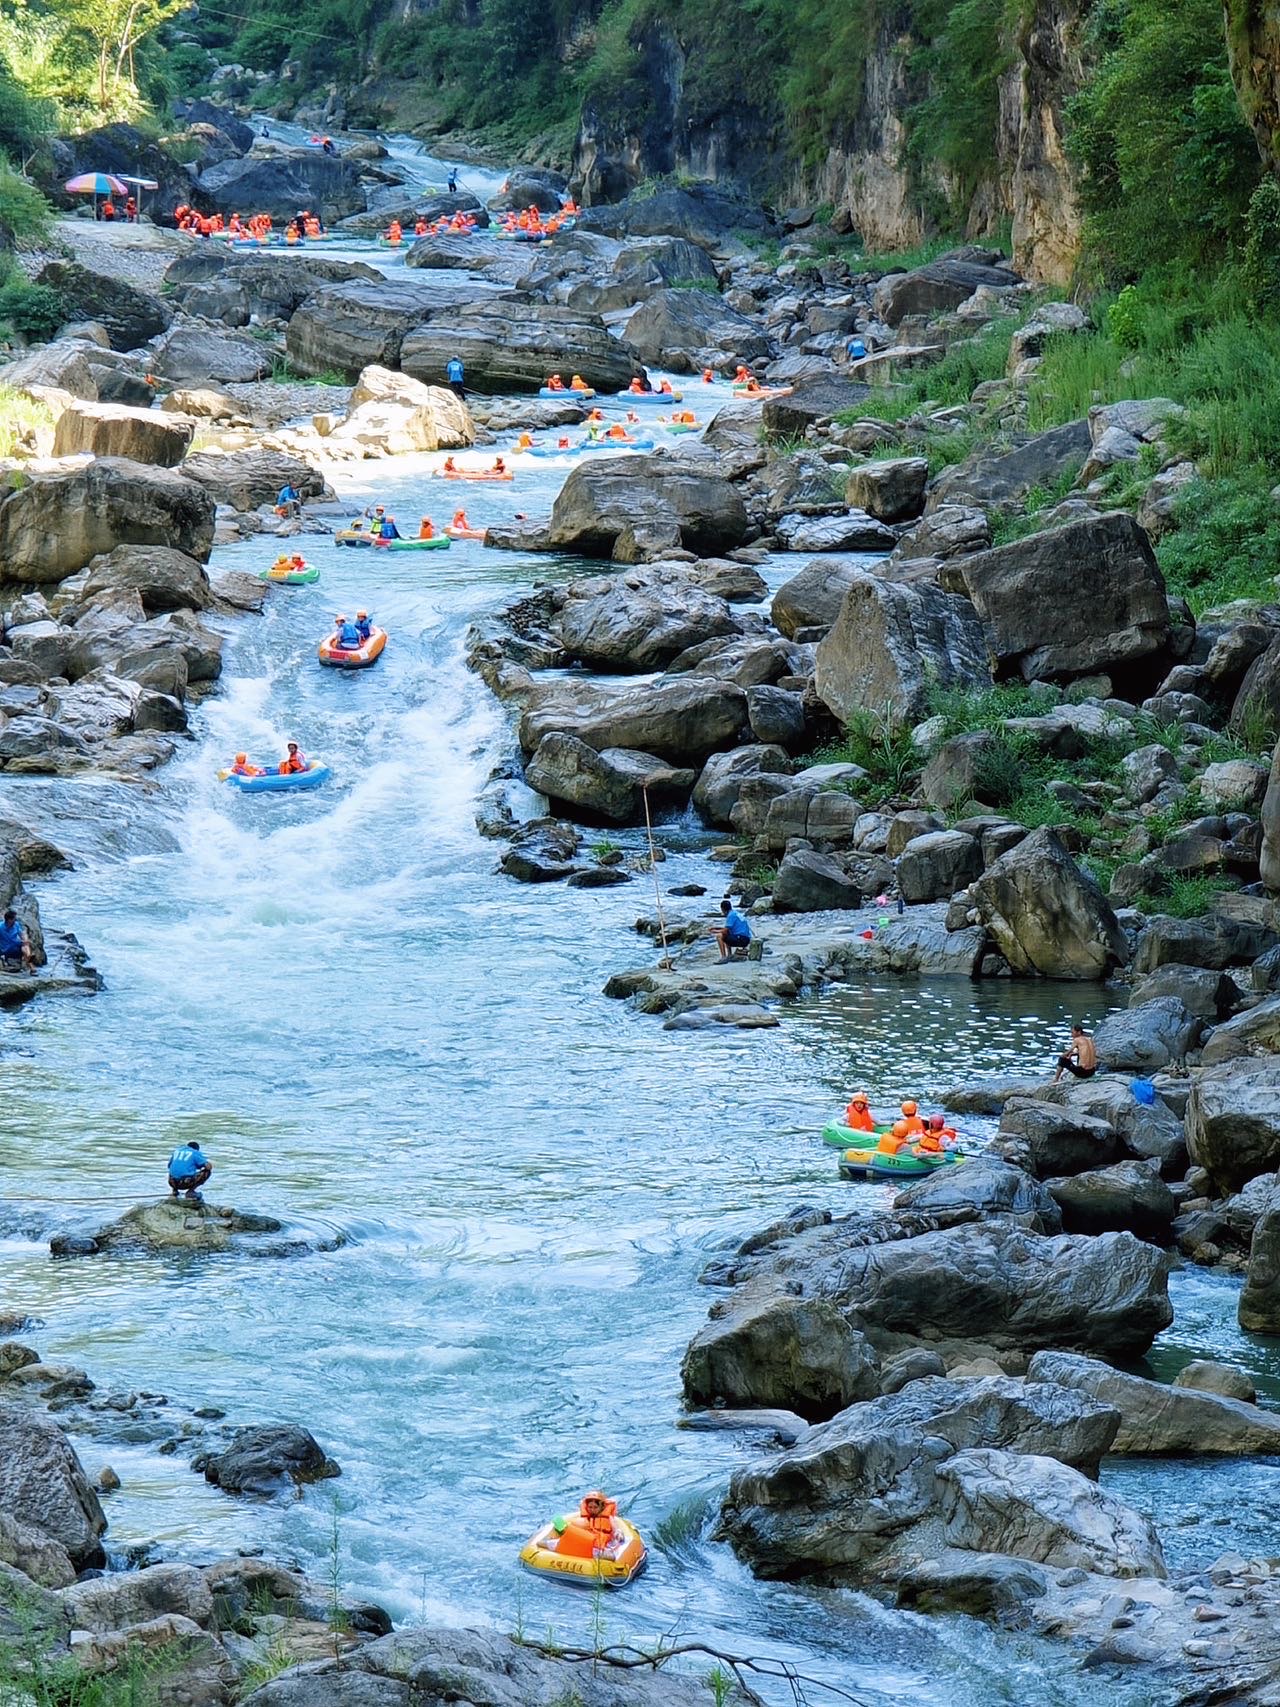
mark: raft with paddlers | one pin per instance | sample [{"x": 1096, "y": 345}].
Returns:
[
  {"x": 660, "y": 399},
  {"x": 763, "y": 392},
  {"x": 355, "y": 535},
  {"x": 475, "y": 474},
  {"x": 340, "y": 657},
  {"x": 554, "y": 392},
  {"x": 883, "y": 1165},
  {"x": 465, "y": 532},
  {"x": 592, "y": 1548},
  {"x": 290, "y": 572}
]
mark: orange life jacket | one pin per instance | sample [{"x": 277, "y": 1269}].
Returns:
[
  {"x": 294, "y": 762},
  {"x": 858, "y": 1119},
  {"x": 914, "y": 1124}
]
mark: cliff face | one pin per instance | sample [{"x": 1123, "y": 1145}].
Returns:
[
  {"x": 891, "y": 194},
  {"x": 1253, "y": 45}
]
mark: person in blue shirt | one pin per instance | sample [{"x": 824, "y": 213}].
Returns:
[
  {"x": 856, "y": 349},
  {"x": 189, "y": 1168},
  {"x": 455, "y": 373},
  {"x": 15, "y": 947},
  {"x": 348, "y": 633},
  {"x": 387, "y": 528},
  {"x": 734, "y": 933},
  {"x": 453, "y": 181},
  {"x": 288, "y": 502}
]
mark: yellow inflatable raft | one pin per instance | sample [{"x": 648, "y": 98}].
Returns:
[{"x": 614, "y": 1568}]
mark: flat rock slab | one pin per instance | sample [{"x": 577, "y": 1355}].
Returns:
[
  {"x": 806, "y": 950},
  {"x": 177, "y": 1224}
]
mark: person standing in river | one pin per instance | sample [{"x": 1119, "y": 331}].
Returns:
[{"x": 1081, "y": 1059}]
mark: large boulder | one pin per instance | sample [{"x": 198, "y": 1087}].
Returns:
[
  {"x": 131, "y": 316},
  {"x": 1000, "y": 480},
  {"x": 812, "y": 599},
  {"x": 890, "y": 491},
  {"x": 248, "y": 479},
  {"x": 280, "y": 183},
  {"x": 1259, "y": 1307},
  {"x": 163, "y": 579},
  {"x": 611, "y": 784},
  {"x": 1160, "y": 1419},
  {"x": 55, "y": 522},
  {"x": 1149, "y": 1131},
  {"x": 857, "y": 1495},
  {"x": 1007, "y": 1288},
  {"x": 982, "y": 1188},
  {"x": 682, "y": 719},
  {"x": 686, "y": 330},
  {"x": 1156, "y": 1033},
  {"x": 892, "y": 644},
  {"x": 786, "y": 1353},
  {"x": 1073, "y": 601},
  {"x": 640, "y": 619},
  {"x": 46, "y": 373},
  {"x": 604, "y": 497},
  {"x": 109, "y": 429},
  {"x": 124, "y": 1598},
  {"x": 938, "y": 287},
  {"x": 442, "y": 421},
  {"x": 720, "y": 783},
  {"x": 1052, "y": 1141},
  {"x": 1127, "y": 1197},
  {"x": 1046, "y": 915},
  {"x": 935, "y": 866},
  {"x": 813, "y": 882},
  {"x": 1233, "y": 1121},
  {"x": 703, "y": 213},
  {"x": 507, "y": 344},
  {"x": 347, "y": 327},
  {"x": 1032, "y": 1507},
  {"x": 43, "y": 1484},
  {"x": 192, "y": 354},
  {"x": 813, "y": 400}
]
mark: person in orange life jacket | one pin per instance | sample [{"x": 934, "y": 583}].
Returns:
[
  {"x": 242, "y": 767},
  {"x": 577, "y": 383},
  {"x": 857, "y": 1117},
  {"x": 449, "y": 467},
  {"x": 420, "y": 227},
  {"x": 591, "y": 1532},
  {"x": 295, "y": 760},
  {"x": 555, "y": 383},
  {"x": 896, "y": 1139},
  {"x": 426, "y": 528},
  {"x": 911, "y": 1114},
  {"x": 189, "y": 1168},
  {"x": 499, "y": 466},
  {"x": 640, "y": 387}
]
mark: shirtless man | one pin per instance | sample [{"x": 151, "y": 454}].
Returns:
[{"x": 1081, "y": 1060}]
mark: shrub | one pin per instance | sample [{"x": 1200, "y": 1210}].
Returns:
[
  {"x": 34, "y": 310},
  {"x": 1262, "y": 247},
  {"x": 24, "y": 213}
]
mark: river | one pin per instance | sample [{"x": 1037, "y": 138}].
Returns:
[{"x": 374, "y": 1032}]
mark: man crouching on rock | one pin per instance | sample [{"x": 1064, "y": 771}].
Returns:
[{"x": 189, "y": 1168}]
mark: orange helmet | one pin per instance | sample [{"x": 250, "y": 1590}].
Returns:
[
  {"x": 908, "y": 1108},
  {"x": 900, "y": 1129},
  {"x": 242, "y": 758}
]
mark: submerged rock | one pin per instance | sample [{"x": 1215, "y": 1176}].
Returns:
[{"x": 178, "y": 1224}]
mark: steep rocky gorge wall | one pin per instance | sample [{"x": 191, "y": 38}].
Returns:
[{"x": 890, "y": 192}]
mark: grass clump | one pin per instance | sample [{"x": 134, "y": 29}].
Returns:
[
  {"x": 20, "y": 418},
  {"x": 950, "y": 381},
  {"x": 882, "y": 747}
]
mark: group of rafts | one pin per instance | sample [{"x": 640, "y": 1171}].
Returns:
[{"x": 906, "y": 1146}]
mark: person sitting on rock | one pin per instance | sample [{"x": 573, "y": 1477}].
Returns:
[
  {"x": 242, "y": 767},
  {"x": 1081, "y": 1059},
  {"x": 591, "y": 1533},
  {"x": 363, "y": 625},
  {"x": 734, "y": 934},
  {"x": 295, "y": 760},
  {"x": 911, "y": 1114},
  {"x": 189, "y": 1168},
  {"x": 15, "y": 945},
  {"x": 346, "y": 634},
  {"x": 288, "y": 500},
  {"x": 858, "y": 1117},
  {"x": 426, "y": 528}
]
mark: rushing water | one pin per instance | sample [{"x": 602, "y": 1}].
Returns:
[{"x": 374, "y": 1032}]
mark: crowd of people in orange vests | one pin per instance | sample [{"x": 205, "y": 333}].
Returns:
[
  {"x": 534, "y": 223},
  {"x": 258, "y": 226},
  {"x": 460, "y": 224}
]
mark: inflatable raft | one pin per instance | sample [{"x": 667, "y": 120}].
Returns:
[
  {"x": 651, "y": 399},
  {"x": 473, "y": 474},
  {"x": 352, "y": 657},
  {"x": 437, "y": 542},
  {"x": 353, "y": 536},
  {"x": 874, "y": 1164},
  {"x": 573, "y": 391},
  {"x": 465, "y": 533},
  {"x": 624, "y": 1561},
  {"x": 290, "y": 577},
  {"x": 273, "y": 783},
  {"x": 763, "y": 391}
]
